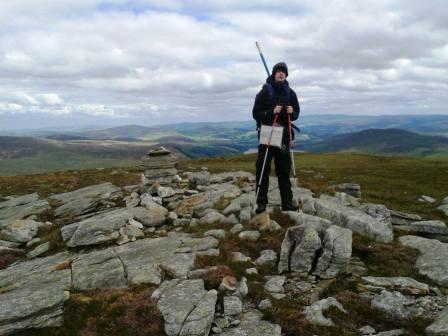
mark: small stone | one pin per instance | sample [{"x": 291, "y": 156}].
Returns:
[
  {"x": 427, "y": 199},
  {"x": 232, "y": 305},
  {"x": 251, "y": 271},
  {"x": 267, "y": 257},
  {"x": 275, "y": 284},
  {"x": 265, "y": 304},
  {"x": 237, "y": 228},
  {"x": 240, "y": 257},
  {"x": 217, "y": 233},
  {"x": 367, "y": 330},
  {"x": 249, "y": 235}
]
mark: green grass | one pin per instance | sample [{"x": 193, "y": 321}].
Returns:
[{"x": 59, "y": 160}]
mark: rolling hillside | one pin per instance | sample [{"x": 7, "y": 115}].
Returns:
[{"x": 385, "y": 141}]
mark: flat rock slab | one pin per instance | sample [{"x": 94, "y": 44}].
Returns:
[
  {"x": 353, "y": 219},
  {"x": 402, "y": 284},
  {"x": 436, "y": 227},
  {"x": 187, "y": 308},
  {"x": 252, "y": 324},
  {"x": 433, "y": 261},
  {"x": 33, "y": 294},
  {"x": 21, "y": 211}
]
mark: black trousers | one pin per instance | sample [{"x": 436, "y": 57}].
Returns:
[{"x": 282, "y": 160}]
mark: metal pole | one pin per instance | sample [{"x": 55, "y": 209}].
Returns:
[{"x": 262, "y": 58}]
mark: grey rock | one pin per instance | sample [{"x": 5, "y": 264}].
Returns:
[
  {"x": 9, "y": 214},
  {"x": 443, "y": 208},
  {"x": 367, "y": 330},
  {"x": 150, "y": 214},
  {"x": 245, "y": 215},
  {"x": 298, "y": 249},
  {"x": 13, "y": 201},
  {"x": 265, "y": 304},
  {"x": 393, "y": 303},
  {"x": 32, "y": 242},
  {"x": 145, "y": 260},
  {"x": 187, "y": 308},
  {"x": 81, "y": 201},
  {"x": 232, "y": 305},
  {"x": 396, "y": 332},
  {"x": 230, "y": 220},
  {"x": 267, "y": 257},
  {"x": 240, "y": 257},
  {"x": 165, "y": 192},
  {"x": 97, "y": 229},
  {"x": 352, "y": 189},
  {"x": 19, "y": 231},
  {"x": 38, "y": 250},
  {"x": 217, "y": 233},
  {"x": 402, "y": 284},
  {"x": 239, "y": 203},
  {"x": 314, "y": 313},
  {"x": 237, "y": 228},
  {"x": 307, "y": 220},
  {"x": 346, "y": 199},
  {"x": 337, "y": 251},
  {"x": 198, "y": 178},
  {"x": 252, "y": 324},
  {"x": 433, "y": 261},
  {"x": 353, "y": 219},
  {"x": 275, "y": 284},
  {"x": 427, "y": 199},
  {"x": 98, "y": 269},
  {"x": 211, "y": 218},
  {"x": 440, "y": 326},
  {"x": 33, "y": 294},
  {"x": 252, "y": 271},
  {"x": 378, "y": 211},
  {"x": 133, "y": 200},
  {"x": 252, "y": 235},
  {"x": 9, "y": 244},
  {"x": 432, "y": 227},
  {"x": 402, "y": 218}
]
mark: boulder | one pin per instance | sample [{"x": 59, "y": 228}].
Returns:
[
  {"x": 352, "y": 189},
  {"x": 84, "y": 200},
  {"x": 298, "y": 250},
  {"x": 353, "y": 219},
  {"x": 393, "y": 303},
  {"x": 252, "y": 235},
  {"x": 443, "y": 208},
  {"x": 435, "y": 227},
  {"x": 402, "y": 218},
  {"x": 19, "y": 231},
  {"x": 337, "y": 251},
  {"x": 13, "y": 201},
  {"x": 22, "y": 210},
  {"x": 232, "y": 305},
  {"x": 267, "y": 257},
  {"x": 33, "y": 293},
  {"x": 433, "y": 261}
]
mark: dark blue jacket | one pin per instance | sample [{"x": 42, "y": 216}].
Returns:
[{"x": 267, "y": 99}]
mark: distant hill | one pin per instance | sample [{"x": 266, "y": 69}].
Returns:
[{"x": 385, "y": 141}]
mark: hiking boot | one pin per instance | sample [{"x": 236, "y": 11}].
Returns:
[{"x": 260, "y": 208}]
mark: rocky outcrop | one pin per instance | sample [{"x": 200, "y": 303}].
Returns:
[
  {"x": 21, "y": 207},
  {"x": 32, "y": 294},
  {"x": 433, "y": 261},
  {"x": 82, "y": 201},
  {"x": 353, "y": 219},
  {"x": 336, "y": 254},
  {"x": 187, "y": 308},
  {"x": 404, "y": 285},
  {"x": 252, "y": 324},
  {"x": 303, "y": 250}
]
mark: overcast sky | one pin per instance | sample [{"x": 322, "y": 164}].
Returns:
[{"x": 85, "y": 62}]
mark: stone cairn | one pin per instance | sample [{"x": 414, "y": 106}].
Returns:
[{"x": 160, "y": 166}]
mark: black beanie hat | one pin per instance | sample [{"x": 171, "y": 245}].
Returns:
[{"x": 280, "y": 66}]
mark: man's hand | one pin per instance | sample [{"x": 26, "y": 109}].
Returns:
[
  {"x": 289, "y": 109},
  {"x": 277, "y": 109}
]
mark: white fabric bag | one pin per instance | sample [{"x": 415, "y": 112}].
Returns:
[{"x": 277, "y": 135}]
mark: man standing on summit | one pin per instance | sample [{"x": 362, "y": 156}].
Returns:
[{"x": 275, "y": 98}]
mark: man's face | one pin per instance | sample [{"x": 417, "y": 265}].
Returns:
[{"x": 280, "y": 76}]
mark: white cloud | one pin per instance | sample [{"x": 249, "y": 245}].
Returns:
[{"x": 175, "y": 60}]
